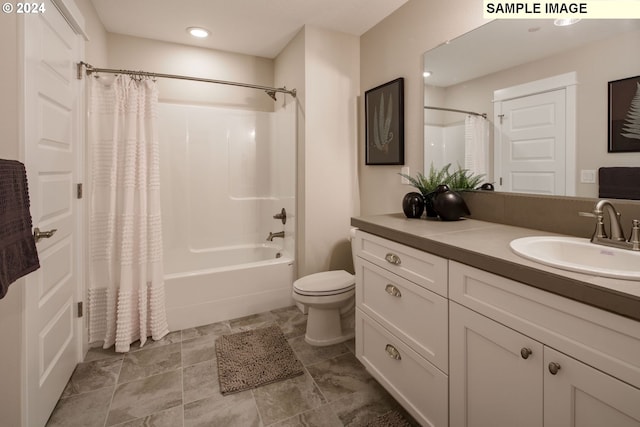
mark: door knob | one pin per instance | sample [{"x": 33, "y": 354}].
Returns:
[
  {"x": 554, "y": 368},
  {"x": 525, "y": 352},
  {"x": 37, "y": 234}
]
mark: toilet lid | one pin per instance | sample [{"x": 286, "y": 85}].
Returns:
[{"x": 325, "y": 283}]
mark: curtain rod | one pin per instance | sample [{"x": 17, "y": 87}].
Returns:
[
  {"x": 271, "y": 91},
  {"x": 483, "y": 115}
]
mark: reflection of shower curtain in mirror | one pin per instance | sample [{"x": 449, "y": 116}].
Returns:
[{"x": 476, "y": 144}]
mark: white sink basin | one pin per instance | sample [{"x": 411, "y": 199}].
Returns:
[{"x": 576, "y": 254}]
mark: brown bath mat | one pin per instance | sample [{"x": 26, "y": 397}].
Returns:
[
  {"x": 390, "y": 419},
  {"x": 253, "y": 358}
]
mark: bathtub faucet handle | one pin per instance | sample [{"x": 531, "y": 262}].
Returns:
[{"x": 282, "y": 215}]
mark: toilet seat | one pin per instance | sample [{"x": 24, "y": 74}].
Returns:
[{"x": 325, "y": 283}]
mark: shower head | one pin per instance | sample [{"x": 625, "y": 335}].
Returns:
[{"x": 271, "y": 93}]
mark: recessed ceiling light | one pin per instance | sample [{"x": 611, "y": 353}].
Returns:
[
  {"x": 426, "y": 74},
  {"x": 565, "y": 22},
  {"x": 198, "y": 32}
]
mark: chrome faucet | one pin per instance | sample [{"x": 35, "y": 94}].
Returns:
[
  {"x": 616, "y": 239},
  {"x": 277, "y": 234}
]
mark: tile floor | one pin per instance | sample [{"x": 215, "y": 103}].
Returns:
[{"x": 173, "y": 382}]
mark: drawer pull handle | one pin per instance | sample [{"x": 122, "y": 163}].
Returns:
[
  {"x": 393, "y": 352},
  {"x": 393, "y": 259},
  {"x": 393, "y": 291},
  {"x": 554, "y": 368},
  {"x": 525, "y": 352}
]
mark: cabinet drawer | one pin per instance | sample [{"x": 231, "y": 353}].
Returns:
[
  {"x": 410, "y": 312},
  {"x": 424, "y": 269},
  {"x": 419, "y": 386},
  {"x": 601, "y": 339}
]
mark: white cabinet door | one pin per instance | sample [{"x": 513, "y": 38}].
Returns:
[
  {"x": 495, "y": 374},
  {"x": 581, "y": 396}
]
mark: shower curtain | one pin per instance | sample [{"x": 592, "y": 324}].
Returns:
[
  {"x": 476, "y": 144},
  {"x": 126, "y": 287}
]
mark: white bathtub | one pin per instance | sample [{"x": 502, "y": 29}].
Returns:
[{"x": 225, "y": 283}]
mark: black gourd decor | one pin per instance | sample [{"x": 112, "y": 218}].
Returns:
[
  {"x": 413, "y": 205},
  {"x": 449, "y": 205}
]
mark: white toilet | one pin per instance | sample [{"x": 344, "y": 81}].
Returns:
[{"x": 330, "y": 299}]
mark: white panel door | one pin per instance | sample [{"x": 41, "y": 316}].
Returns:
[
  {"x": 494, "y": 373},
  {"x": 533, "y": 137},
  {"x": 52, "y": 154},
  {"x": 578, "y": 395}
]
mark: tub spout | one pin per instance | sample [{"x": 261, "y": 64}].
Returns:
[{"x": 277, "y": 234}]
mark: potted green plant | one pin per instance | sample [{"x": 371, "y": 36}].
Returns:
[
  {"x": 428, "y": 184},
  {"x": 459, "y": 180}
]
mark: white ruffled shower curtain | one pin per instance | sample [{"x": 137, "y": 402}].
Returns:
[
  {"x": 126, "y": 285},
  {"x": 476, "y": 144}
]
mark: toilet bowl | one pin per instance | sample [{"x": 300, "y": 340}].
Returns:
[{"x": 329, "y": 297}]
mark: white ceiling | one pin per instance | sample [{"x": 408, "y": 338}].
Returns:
[{"x": 253, "y": 27}]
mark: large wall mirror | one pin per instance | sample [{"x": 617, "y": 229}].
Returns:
[{"x": 544, "y": 92}]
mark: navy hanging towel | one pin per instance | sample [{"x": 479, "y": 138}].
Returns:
[{"x": 18, "y": 254}]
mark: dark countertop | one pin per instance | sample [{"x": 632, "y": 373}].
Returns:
[{"x": 485, "y": 245}]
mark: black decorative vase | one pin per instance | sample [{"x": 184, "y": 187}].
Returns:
[
  {"x": 428, "y": 205},
  {"x": 449, "y": 205},
  {"x": 413, "y": 205}
]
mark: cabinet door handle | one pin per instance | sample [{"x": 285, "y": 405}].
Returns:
[
  {"x": 393, "y": 259},
  {"x": 393, "y": 352},
  {"x": 554, "y": 368},
  {"x": 392, "y": 290},
  {"x": 525, "y": 352}
]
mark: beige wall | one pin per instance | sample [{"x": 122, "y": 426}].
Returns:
[
  {"x": 95, "y": 49},
  {"x": 393, "y": 49},
  {"x": 9, "y": 88},
  {"x": 11, "y": 322},
  {"x": 289, "y": 70},
  {"x": 332, "y": 84},
  {"x": 134, "y": 53},
  {"x": 324, "y": 67}
]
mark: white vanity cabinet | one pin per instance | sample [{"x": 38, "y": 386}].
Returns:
[
  {"x": 520, "y": 356},
  {"x": 458, "y": 346},
  {"x": 402, "y": 324}
]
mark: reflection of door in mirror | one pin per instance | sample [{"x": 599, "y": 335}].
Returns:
[{"x": 535, "y": 137}]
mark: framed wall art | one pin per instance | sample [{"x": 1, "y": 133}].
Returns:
[
  {"x": 384, "y": 124},
  {"x": 624, "y": 115}
]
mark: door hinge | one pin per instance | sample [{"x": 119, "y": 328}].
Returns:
[
  {"x": 79, "y": 190},
  {"x": 500, "y": 180},
  {"x": 79, "y": 70},
  {"x": 80, "y": 313}
]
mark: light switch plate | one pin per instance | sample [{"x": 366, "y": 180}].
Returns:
[{"x": 587, "y": 176}]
